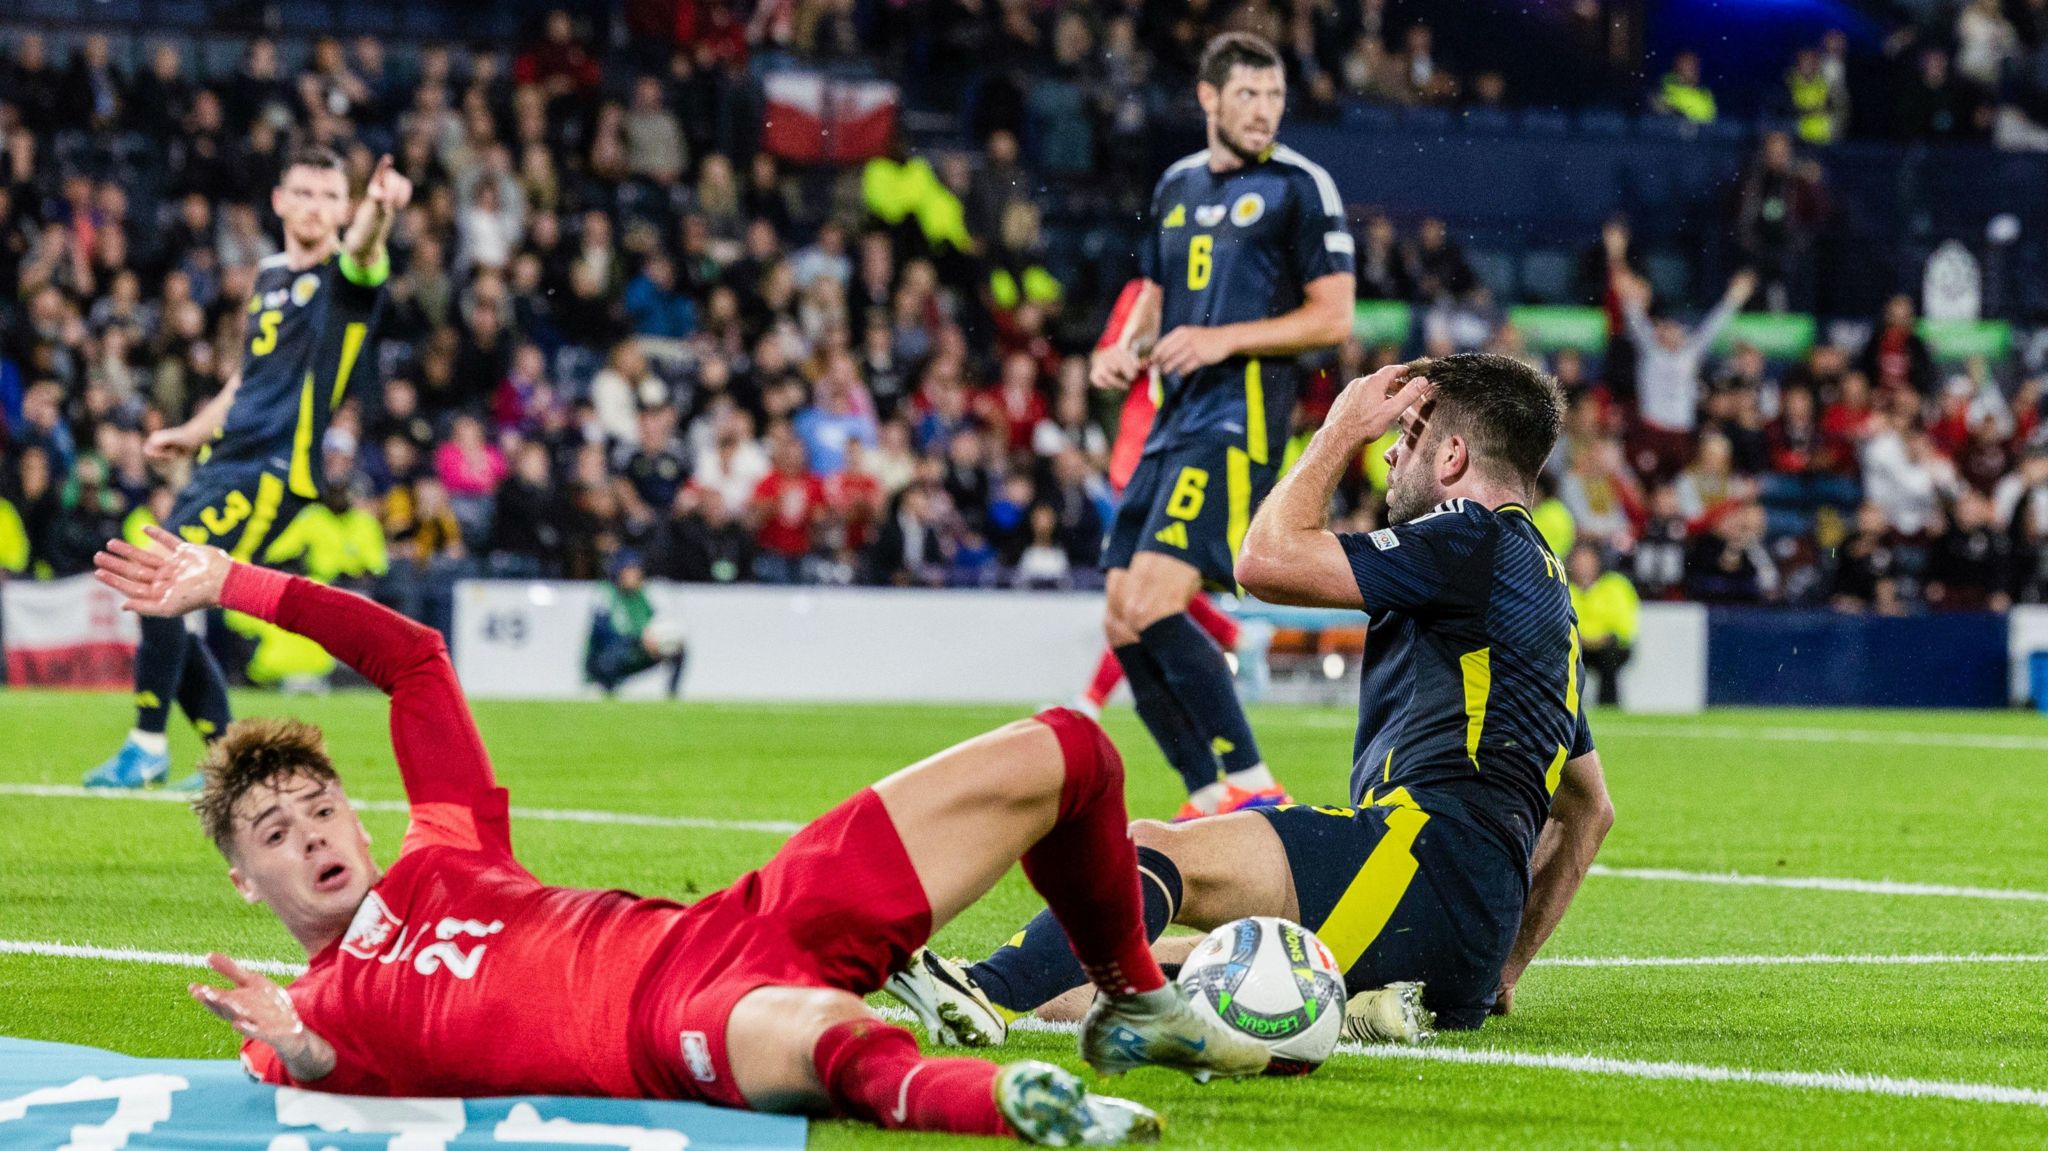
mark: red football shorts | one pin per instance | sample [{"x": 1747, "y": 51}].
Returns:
[{"x": 838, "y": 907}]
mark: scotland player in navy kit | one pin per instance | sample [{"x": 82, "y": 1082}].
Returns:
[
  {"x": 258, "y": 441},
  {"x": 1250, "y": 266},
  {"x": 1477, "y": 800}
]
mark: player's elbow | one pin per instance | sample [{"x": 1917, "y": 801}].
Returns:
[{"x": 1262, "y": 572}]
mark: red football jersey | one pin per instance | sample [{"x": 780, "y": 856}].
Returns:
[{"x": 461, "y": 974}]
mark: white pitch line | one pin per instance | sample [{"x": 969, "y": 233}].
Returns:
[
  {"x": 790, "y": 827},
  {"x": 1839, "y": 1081},
  {"x": 1931, "y": 960},
  {"x": 1819, "y": 883},
  {"x": 1769, "y": 734},
  {"x": 545, "y": 814},
  {"x": 136, "y": 955}
]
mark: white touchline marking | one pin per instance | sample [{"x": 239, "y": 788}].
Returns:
[
  {"x": 1818, "y": 883},
  {"x": 1974, "y": 741},
  {"x": 136, "y": 955},
  {"x": 791, "y": 827},
  {"x": 1583, "y": 1064},
  {"x": 545, "y": 814},
  {"x": 1842, "y": 1081},
  {"x": 1931, "y": 960}
]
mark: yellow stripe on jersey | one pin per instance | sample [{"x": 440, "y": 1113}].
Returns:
[
  {"x": 302, "y": 482},
  {"x": 269, "y": 497},
  {"x": 1556, "y": 770},
  {"x": 1571, "y": 678},
  {"x": 1255, "y": 413},
  {"x": 351, "y": 346},
  {"x": 1368, "y": 903},
  {"x": 1478, "y": 666},
  {"x": 1237, "y": 469}
]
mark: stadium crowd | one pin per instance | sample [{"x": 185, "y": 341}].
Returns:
[{"x": 620, "y": 324}]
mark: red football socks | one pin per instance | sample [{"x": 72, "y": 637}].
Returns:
[
  {"x": 1108, "y": 673},
  {"x": 1086, "y": 867},
  {"x": 1214, "y": 620},
  {"x": 873, "y": 1071},
  {"x": 1210, "y": 618}
]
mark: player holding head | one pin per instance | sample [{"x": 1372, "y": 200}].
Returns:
[
  {"x": 1478, "y": 798},
  {"x": 1250, "y": 266},
  {"x": 308, "y": 323},
  {"x": 749, "y": 997}
]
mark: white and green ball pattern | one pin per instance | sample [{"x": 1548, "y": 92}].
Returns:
[{"x": 1274, "y": 981}]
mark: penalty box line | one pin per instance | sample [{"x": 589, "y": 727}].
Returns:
[{"x": 791, "y": 827}]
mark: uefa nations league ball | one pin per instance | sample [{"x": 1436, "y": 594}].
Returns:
[{"x": 1274, "y": 981}]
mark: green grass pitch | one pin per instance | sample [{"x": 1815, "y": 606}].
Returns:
[{"x": 1948, "y": 800}]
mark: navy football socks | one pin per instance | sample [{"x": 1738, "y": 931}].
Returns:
[
  {"x": 1199, "y": 677},
  {"x": 1166, "y": 718},
  {"x": 1039, "y": 965}
]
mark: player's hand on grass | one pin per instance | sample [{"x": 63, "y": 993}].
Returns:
[
  {"x": 261, "y": 1010},
  {"x": 1369, "y": 405},
  {"x": 1503, "y": 1000},
  {"x": 1188, "y": 348},
  {"x": 168, "y": 578},
  {"x": 1114, "y": 367}
]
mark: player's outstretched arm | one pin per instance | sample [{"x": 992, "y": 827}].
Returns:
[
  {"x": 190, "y": 436},
  {"x": 261, "y": 1010},
  {"x": 1580, "y": 815},
  {"x": 1290, "y": 556},
  {"x": 435, "y": 739},
  {"x": 384, "y": 197}
]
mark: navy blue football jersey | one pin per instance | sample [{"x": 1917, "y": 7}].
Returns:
[
  {"x": 1469, "y": 698},
  {"x": 1232, "y": 247},
  {"x": 307, "y": 330}
]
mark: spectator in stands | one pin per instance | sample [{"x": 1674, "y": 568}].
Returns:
[
  {"x": 1780, "y": 208},
  {"x": 1383, "y": 270},
  {"x": 470, "y": 469},
  {"x": 1816, "y": 98},
  {"x": 657, "y": 462},
  {"x": 1798, "y": 445},
  {"x": 527, "y": 519},
  {"x": 655, "y": 150},
  {"x": 1668, "y": 374},
  {"x": 1896, "y": 359},
  {"x": 656, "y": 306},
  {"x": 1420, "y": 73},
  {"x": 1682, "y": 92},
  {"x": 1439, "y": 263},
  {"x": 1043, "y": 563},
  {"x": 702, "y": 541},
  {"x": 1866, "y": 567},
  {"x": 1709, "y": 484},
  {"x": 1904, "y": 476},
  {"x": 787, "y": 503},
  {"x": 1609, "y": 614},
  {"x": 1970, "y": 564},
  {"x": 1602, "y": 496},
  {"x": 911, "y": 548},
  {"x": 1986, "y": 44},
  {"x": 1935, "y": 105},
  {"x": 1657, "y": 561},
  {"x": 1728, "y": 562}
]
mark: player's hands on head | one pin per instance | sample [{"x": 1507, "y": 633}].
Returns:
[
  {"x": 1114, "y": 367},
  {"x": 1370, "y": 405},
  {"x": 168, "y": 578},
  {"x": 1187, "y": 348}
]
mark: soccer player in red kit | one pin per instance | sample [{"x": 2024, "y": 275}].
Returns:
[{"x": 457, "y": 972}]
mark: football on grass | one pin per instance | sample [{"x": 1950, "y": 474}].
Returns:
[{"x": 1274, "y": 981}]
